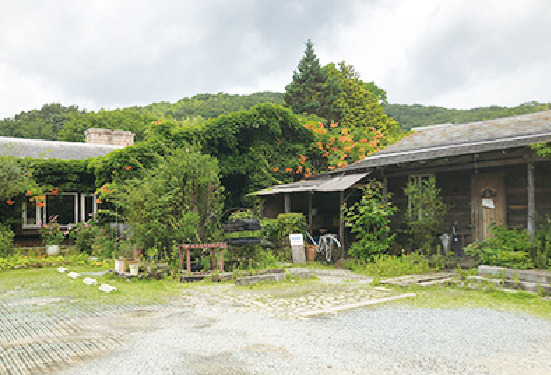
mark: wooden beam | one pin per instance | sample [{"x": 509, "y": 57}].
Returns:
[
  {"x": 341, "y": 223},
  {"x": 531, "y": 225},
  {"x": 450, "y": 168},
  {"x": 310, "y": 214}
]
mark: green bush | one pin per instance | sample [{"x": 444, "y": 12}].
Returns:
[
  {"x": 6, "y": 240},
  {"x": 369, "y": 219},
  {"x": 541, "y": 252},
  {"x": 391, "y": 266},
  {"x": 507, "y": 248}
]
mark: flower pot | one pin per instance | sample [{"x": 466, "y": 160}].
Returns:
[
  {"x": 52, "y": 250},
  {"x": 121, "y": 268},
  {"x": 134, "y": 268}
]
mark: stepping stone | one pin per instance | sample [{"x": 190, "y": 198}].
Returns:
[
  {"x": 89, "y": 281},
  {"x": 107, "y": 288},
  {"x": 62, "y": 270},
  {"x": 73, "y": 275}
]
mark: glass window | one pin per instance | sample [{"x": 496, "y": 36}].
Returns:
[
  {"x": 62, "y": 205},
  {"x": 88, "y": 207},
  {"x": 30, "y": 214}
]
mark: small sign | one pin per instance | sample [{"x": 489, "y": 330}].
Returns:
[
  {"x": 488, "y": 203},
  {"x": 296, "y": 239}
]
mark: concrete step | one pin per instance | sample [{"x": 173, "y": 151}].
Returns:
[{"x": 534, "y": 276}]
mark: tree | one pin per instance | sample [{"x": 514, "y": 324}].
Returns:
[
  {"x": 175, "y": 202},
  {"x": 426, "y": 211},
  {"x": 370, "y": 220},
  {"x": 304, "y": 93}
]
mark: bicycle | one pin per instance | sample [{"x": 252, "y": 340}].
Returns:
[{"x": 329, "y": 246}]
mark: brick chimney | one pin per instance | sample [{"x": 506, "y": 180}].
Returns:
[{"x": 109, "y": 137}]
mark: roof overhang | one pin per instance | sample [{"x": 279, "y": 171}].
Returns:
[{"x": 334, "y": 183}]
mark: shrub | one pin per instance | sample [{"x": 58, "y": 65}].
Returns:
[
  {"x": 51, "y": 233},
  {"x": 541, "y": 252},
  {"x": 6, "y": 240},
  {"x": 391, "y": 266},
  {"x": 507, "y": 248},
  {"x": 369, "y": 219},
  {"x": 426, "y": 212}
]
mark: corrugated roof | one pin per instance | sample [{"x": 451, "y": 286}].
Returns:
[
  {"x": 37, "y": 148},
  {"x": 335, "y": 183},
  {"x": 438, "y": 141}
]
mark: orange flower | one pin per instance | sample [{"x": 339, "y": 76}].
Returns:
[
  {"x": 10, "y": 202},
  {"x": 363, "y": 140},
  {"x": 128, "y": 168},
  {"x": 31, "y": 199},
  {"x": 334, "y": 124},
  {"x": 330, "y": 168},
  {"x": 28, "y": 192},
  {"x": 307, "y": 175},
  {"x": 54, "y": 192},
  {"x": 98, "y": 201},
  {"x": 276, "y": 169},
  {"x": 300, "y": 119},
  {"x": 344, "y": 131},
  {"x": 288, "y": 170}
]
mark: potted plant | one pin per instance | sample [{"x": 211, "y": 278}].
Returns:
[{"x": 52, "y": 235}]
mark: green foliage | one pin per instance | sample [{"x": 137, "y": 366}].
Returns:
[
  {"x": 507, "y": 248},
  {"x": 60, "y": 175},
  {"x": 51, "y": 232},
  {"x": 277, "y": 230},
  {"x": 6, "y": 240},
  {"x": 369, "y": 219},
  {"x": 304, "y": 93},
  {"x": 249, "y": 145},
  {"x": 415, "y": 115},
  {"x": 541, "y": 252},
  {"x": 209, "y": 106},
  {"x": 38, "y": 124},
  {"x": 391, "y": 266},
  {"x": 130, "y": 119},
  {"x": 13, "y": 179},
  {"x": 176, "y": 201},
  {"x": 426, "y": 213}
]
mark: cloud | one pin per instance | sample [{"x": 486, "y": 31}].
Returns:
[
  {"x": 476, "y": 58},
  {"x": 125, "y": 53},
  {"x": 103, "y": 53}
]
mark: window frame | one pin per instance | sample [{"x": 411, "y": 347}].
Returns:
[
  {"x": 417, "y": 177},
  {"x": 83, "y": 196}
]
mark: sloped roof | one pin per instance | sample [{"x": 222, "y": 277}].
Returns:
[
  {"x": 37, "y": 148},
  {"x": 335, "y": 183},
  {"x": 438, "y": 141}
]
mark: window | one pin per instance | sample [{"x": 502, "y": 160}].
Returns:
[
  {"x": 416, "y": 204},
  {"x": 88, "y": 207},
  {"x": 31, "y": 215},
  {"x": 67, "y": 206}
]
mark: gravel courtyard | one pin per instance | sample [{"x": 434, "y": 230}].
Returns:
[{"x": 220, "y": 330}]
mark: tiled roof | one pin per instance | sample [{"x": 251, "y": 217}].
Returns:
[
  {"x": 438, "y": 141},
  {"x": 37, "y": 148}
]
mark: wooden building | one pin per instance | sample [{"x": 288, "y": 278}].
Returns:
[{"x": 487, "y": 172}]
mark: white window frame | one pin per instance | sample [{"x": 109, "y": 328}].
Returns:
[
  {"x": 44, "y": 215},
  {"x": 417, "y": 177},
  {"x": 83, "y": 206},
  {"x": 37, "y": 217}
]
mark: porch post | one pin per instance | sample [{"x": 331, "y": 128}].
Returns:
[
  {"x": 287, "y": 203},
  {"x": 531, "y": 203},
  {"x": 310, "y": 214},
  {"x": 341, "y": 223}
]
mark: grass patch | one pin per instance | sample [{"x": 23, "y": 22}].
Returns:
[
  {"x": 47, "y": 282},
  {"x": 448, "y": 297}
]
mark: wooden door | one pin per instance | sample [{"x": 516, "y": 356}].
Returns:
[{"x": 488, "y": 202}]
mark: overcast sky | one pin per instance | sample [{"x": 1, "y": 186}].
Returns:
[{"x": 95, "y": 53}]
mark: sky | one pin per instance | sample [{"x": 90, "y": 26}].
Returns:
[{"x": 109, "y": 54}]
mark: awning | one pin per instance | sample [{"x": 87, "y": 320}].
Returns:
[{"x": 335, "y": 183}]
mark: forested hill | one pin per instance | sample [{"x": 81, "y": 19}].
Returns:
[
  {"x": 56, "y": 122},
  {"x": 415, "y": 115}
]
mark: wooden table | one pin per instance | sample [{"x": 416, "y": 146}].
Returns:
[{"x": 212, "y": 246}]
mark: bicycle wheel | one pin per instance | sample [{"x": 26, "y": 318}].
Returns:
[
  {"x": 335, "y": 251},
  {"x": 327, "y": 247}
]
